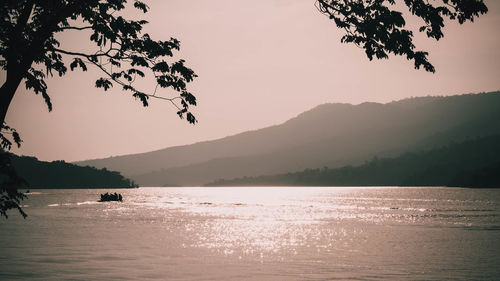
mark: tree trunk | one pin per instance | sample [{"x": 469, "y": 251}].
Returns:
[
  {"x": 19, "y": 60},
  {"x": 7, "y": 92}
]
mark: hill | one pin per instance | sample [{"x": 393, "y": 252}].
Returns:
[
  {"x": 59, "y": 174},
  {"x": 331, "y": 135},
  {"x": 473, "y": 163}
]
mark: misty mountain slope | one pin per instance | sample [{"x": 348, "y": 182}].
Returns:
[
  {"x": 294, "y": 159},
  {"x": 472, "y": 163},
  {"x": 328, "y": 135},
  {"x": 354, "y": 151},
  {"x": 245, "y": 144}
]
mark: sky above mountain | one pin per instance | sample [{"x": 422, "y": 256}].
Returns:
[{"x": 259, "y": 64}]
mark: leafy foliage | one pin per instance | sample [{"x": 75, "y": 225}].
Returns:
[
  {"x": 31, "y": 52},
  {"x": 124, "y": 54},
  {"x": 10, "y": 181},
  {"x": 5, "y": 142},
  {"x": 378, "y": 28}
]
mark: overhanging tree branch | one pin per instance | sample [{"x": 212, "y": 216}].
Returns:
[
  {"x": 75, "y": 28},
  {"x": 378, "y": 28}
]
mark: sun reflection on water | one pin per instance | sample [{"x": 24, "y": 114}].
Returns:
[
  {"x": 218, "y": 233},
  {"x": 255, "y": 221},
  {"x": 282, "y": 222}
]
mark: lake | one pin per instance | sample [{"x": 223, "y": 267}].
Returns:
[{"x": 259, "y": 233}]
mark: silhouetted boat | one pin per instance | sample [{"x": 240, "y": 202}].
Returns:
[{"x": 111, "y": 197}]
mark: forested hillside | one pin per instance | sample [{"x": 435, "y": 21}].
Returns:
[
  {"x": 332, "y": 135},
  {"x": 473, "y": 163},
  {"x": 59, "y": 174}
]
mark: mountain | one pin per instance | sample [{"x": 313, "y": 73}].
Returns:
[
  {"x": 473, "y": 163},
  {"x": 59, "y": 174},
  {"x": 332, "y": 135}
]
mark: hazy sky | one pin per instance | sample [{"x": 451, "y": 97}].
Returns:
[{"x": 260, "y": 62}]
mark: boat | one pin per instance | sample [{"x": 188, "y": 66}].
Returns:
[{"x": 111, "y": 197}]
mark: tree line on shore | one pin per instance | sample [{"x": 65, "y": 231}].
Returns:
[
  {"x": 473, "y": 163},
  {"x": 60, "y": 174}
]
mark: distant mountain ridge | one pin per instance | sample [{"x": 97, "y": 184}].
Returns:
[
  {"x": 332, "y": 135},
  {"x": 472, "y": 163}
]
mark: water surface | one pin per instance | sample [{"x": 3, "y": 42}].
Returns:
[{"x": 261, "y": 233}]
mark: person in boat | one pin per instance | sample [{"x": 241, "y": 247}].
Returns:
[{"x": 111, "y": 197}]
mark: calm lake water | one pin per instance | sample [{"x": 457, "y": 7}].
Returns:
[{"x": 284, "y": 233}]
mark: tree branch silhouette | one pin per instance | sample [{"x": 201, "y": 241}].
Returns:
[{"x": 378, "y": 28}]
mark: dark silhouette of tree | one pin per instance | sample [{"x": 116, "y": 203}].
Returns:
[
  {"x": 10, "y": 181},
  {"x": 378, "y": 28},
  {"x": 29, "y": 50}
]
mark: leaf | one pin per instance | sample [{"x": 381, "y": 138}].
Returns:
[
  {"x": 143, "y": 97},
  {"x": 191, "y": 119},
  {"x": 77, "y": 62},
  {"x": 103, "y": 83},
  {"x": 141, "y": 6},
  {"x": 190, "y": 98},
  {"x": 17, "y": 138},
  {"x": 161, "y": 67},
  {"x": 47, "y": 100}
]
